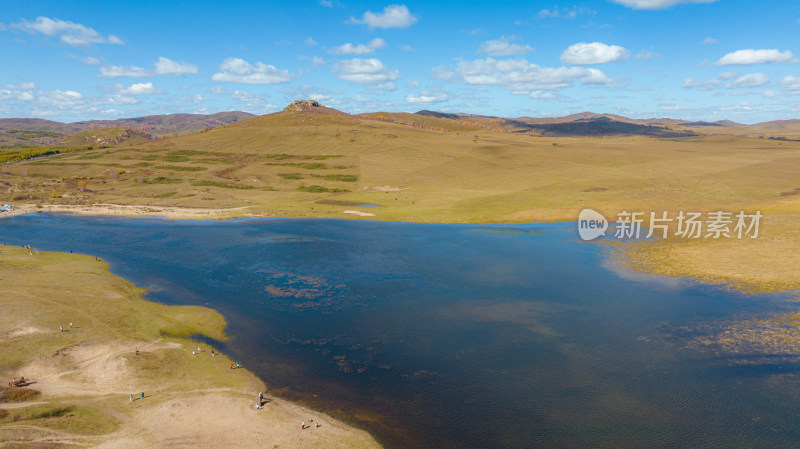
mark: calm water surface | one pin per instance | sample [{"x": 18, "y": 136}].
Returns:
[{"x": 452, "y": 336}]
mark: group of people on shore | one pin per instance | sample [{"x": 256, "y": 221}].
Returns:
[
  {"x": 304, "y": 426},
  {"x": 29, "y": 249},
  {"x": 21, "y": 382}
]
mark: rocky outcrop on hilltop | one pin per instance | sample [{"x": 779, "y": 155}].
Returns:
[{"x": 302, "y": 105}]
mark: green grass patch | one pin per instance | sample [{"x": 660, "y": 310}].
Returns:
[
  {"x": 179, "y": 168},
  {"x": 29, "y": 153},
  {"x": 342, "y": 178},
  {"x": 176, "y": 158},
  {"x": 164, "y": 194},
  {"x": 185, "y": 153},
  {"x": 161, "y": 180},
  {"x": 27, "y": 134},
  {"x": 313, "y": 189},
  {"x": 319, "y": 189},
  {"x": 290, "y": 175},
  {"x": 205, "y": 183},
  {"x": 212, "y": 160},
  {"x": 142, "y": 164},
  {"x": 283, "y": 156},
  {"x": 307, "y": 166},
  {"x": 43, "y": 175},
  {"x": 90, "y": 156},
  {"x": 149, "y": 157}
]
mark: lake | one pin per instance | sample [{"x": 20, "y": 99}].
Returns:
[{"x": 454, "y": 336}]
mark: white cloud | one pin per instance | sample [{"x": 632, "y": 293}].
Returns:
[
  {"x": 165, "y": 66},
  {"x": 594, "y": 76},
  {"x": 748, "y": 80},
  {"x": 565, "y": 13},
  {"x": 503, "y": 47},
  {"x": 364, "y": 71},
  {"x": 656, "y": 4},
  {"x": 16, "y": 95},
  {"x": 750, "y": 56},
  {"x": 360, "y": 49},
  {"x": 790, "y": 82},
  {"x": 246, "y": 97},
  {"x": 141, "y": 89},
  {"x": 235, "y": 70},
  {"x": 701, "y": 85},
  {"x": 70, "y": 33},
  {"x": 218, "y": 90},
  {"x": 413, "y": 84},
  {"x": 188, "y": 99},
  {"x": 407, "y": 48},
  {"x": 769, "y": 94},
  {"x": 20, "y": 86},
  {"x": 118, "y": 100},
  {"x": 61, "y": 99},
  {"x": 116, "y": 71},
  {"x": 645, "y": 55},
  {"x": 728, "y": 80},
  {"x": 427, "y": 97},
  {"x": 539, "y": 95},
  {"x": 325, "y": 3},
  {"x": 89, "y": 60},
  {"x": 393, "y": 16},
  {"x": 584, "y": 53},
  {"x": 519, "y": 75},
  {"x": 709, "y": 41},
  {"x": 389, "y": 86},
  {"x": 316, "y": 61},
  {"x": 310, "y": 42}
]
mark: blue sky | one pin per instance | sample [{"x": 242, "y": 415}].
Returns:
[{"x": 691, "y": 59}]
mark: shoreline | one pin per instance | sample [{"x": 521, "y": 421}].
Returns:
[{"x": 91, "y": 367}]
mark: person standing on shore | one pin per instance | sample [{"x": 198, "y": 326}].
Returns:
[{"x": 131, "y": 397}]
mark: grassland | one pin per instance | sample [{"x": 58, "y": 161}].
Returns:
[
  {"x": 115, "y": 344},
  {"x": 430, "y": 169}
]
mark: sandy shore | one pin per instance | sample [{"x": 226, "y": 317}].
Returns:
[
  {"x": 214, "y": 417},
  {"x": 124, "y": 210}
]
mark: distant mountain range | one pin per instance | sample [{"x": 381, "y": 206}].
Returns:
[
  {"x": 39, "y": 131},
  {"x": 592, "y": 124}
]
